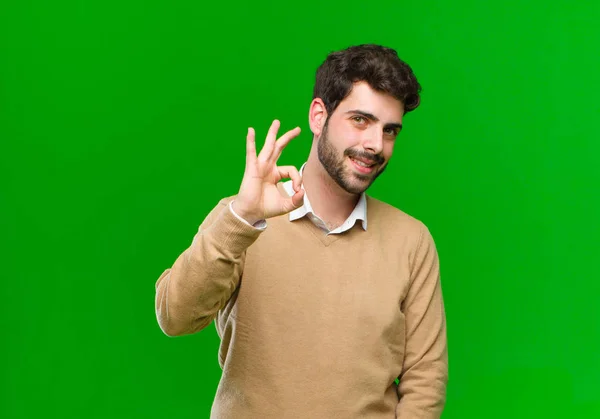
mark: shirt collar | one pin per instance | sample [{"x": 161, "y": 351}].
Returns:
[{"x": 359, "y": 212}]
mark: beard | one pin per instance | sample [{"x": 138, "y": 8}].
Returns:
[{"x": 348, "y": 180}]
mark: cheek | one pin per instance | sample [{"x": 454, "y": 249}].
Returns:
[{"x": 349, "y": 137}]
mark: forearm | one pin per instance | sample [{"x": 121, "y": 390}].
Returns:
[
  {"x": 204, "y": 276},
  {"x": 422, "y": 388},
  {"x": 422, "y": 384}
]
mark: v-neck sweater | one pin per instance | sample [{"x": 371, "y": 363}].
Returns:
[{"x": 315, "y": 325}]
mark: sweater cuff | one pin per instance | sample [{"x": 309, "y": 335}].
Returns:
[
  {"x": 260, "y": 224},
  {"x": 233, "y": 233}
]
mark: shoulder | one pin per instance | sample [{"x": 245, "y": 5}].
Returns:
[
  {"x": 393, "y": 225},
  {"x": 389, "y": 216}
]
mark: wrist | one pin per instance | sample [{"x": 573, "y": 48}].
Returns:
[{"x": 246, "y": 215}]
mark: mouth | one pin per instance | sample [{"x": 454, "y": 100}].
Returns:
[{"x": 362, "y": 165}]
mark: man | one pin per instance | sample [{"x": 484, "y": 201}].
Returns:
[{"x": 322, "y": 295}]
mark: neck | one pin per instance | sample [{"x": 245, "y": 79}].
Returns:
[{"x": 329, "y": 201}]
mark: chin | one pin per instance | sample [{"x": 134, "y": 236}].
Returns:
[
  {"x": 359, "y": 183},
  {"x": 356, "y": 184}
]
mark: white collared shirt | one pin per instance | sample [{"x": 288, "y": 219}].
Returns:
[{"x": 359, "y": 212}]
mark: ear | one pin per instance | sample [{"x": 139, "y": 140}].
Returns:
[{"x": 317, "y": 115}]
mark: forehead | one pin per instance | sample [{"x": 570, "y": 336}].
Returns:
[{"x": 362, "y": 97}]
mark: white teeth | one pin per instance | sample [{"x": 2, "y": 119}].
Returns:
[{"x": 360, "y": 163}]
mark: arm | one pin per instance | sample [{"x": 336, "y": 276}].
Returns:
[
  {"x": 422, "y": 384},
  {"x": 204, "y": 276},
  {"x": 190, "y": 294}
]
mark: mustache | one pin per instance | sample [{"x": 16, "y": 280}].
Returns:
[{"x": 377, "y": 158}]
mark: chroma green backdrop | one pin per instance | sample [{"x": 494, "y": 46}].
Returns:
[{"x": 123, "y": 123}]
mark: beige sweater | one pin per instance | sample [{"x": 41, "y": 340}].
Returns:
[{"x": 312, "y": 325}]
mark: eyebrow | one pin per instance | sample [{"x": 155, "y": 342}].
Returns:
[{"x": 375, "y": 119}]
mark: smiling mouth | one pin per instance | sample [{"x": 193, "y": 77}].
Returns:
[
  {"x": 361, "y": 166},
  {"x": 362, "y": 163}
]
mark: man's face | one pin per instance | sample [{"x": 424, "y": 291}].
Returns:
[{"x": 358, "y": 138}]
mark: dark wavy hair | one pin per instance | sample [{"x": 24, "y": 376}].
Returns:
[{"x": 377, "y": 65}]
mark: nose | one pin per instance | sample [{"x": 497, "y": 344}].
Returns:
[{"x": 373, "y": 142}]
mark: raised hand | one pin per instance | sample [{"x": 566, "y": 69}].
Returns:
[{"x": 258, "y": 197}]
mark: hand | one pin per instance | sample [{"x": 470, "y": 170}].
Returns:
[{"x": 258, "y": 197}]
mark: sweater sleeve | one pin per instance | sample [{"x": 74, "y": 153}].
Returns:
[
  {"x": 203, "y": 278},
  {"x": 422, "y": 383}
]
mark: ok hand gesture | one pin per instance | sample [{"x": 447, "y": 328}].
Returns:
[{"x": 258, "y": 197}]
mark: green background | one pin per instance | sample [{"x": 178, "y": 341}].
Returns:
[{"x": 123, "y": 123}]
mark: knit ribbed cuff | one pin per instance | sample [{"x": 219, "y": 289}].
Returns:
[
  {"x": 232, "y": 233},
  {"x": 260, "y": 224}
]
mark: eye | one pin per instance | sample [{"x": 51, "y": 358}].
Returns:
[
  {"x": 391, "y": 131},
  {"x": 358, "y": 119}
]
